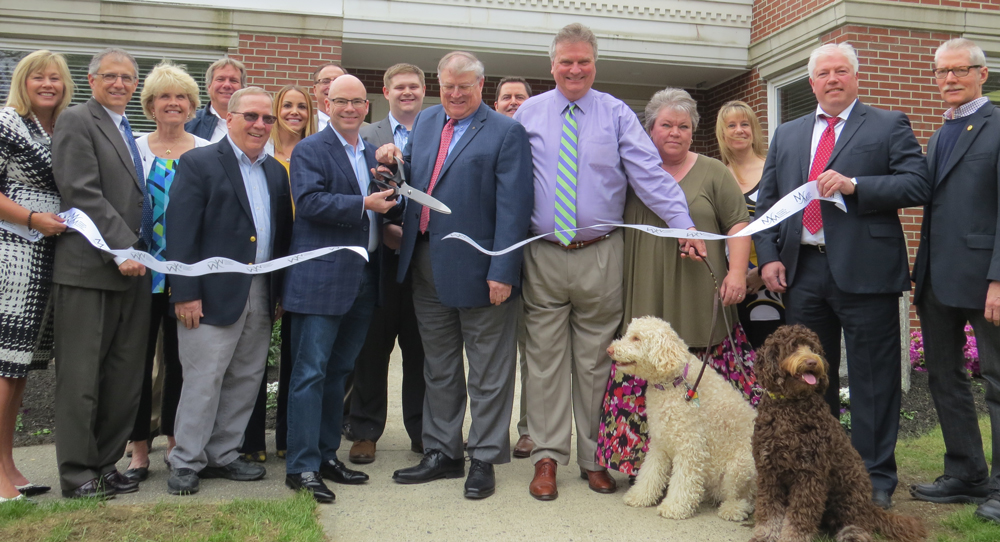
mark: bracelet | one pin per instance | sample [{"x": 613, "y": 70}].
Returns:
[{"x": 29, "y": 218}]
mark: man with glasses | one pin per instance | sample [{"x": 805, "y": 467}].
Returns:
[
  {"x": 323, "y": 77},
  {"x": 960, "y": 225},
  {"x": 224, "y": 77},
  {"x": 478, "y": 163},
  {"x": 102, "y": 303},
  {"x": 330, "y": 299},
  {"x": 228, "y": 200}
]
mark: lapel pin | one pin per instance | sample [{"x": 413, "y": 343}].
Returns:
[{"x": 968, "y": 128}]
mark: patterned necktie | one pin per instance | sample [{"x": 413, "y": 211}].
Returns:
[
  {"x": 812, "y": 217},
  {"x": 565, "y": 213},
  {"x": 146, "y": 226},
  {"x": 446, "y": 134}
]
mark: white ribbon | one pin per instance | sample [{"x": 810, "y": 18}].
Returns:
[
  {"x": 787, "y": 206},
  {"x": 79, "y": 221}
]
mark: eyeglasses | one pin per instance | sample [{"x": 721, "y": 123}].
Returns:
[
  {"x": 323, "y": 81},
  {"x": 959, "y": 71},
  {"x": 342, "y": 102},
  {"x": 252, "y": 117},
  {"x": 464, "y": 89},
  {"x": 112, "y": 77}
]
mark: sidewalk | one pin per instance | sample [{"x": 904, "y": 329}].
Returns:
[{"x": 384, "y": 510}]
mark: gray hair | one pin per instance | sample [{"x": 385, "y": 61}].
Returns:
[
  {"x": 671, "y": 98},
  {"x": 976, "y": 55},
  {"x": 460, "y": 62},
  {"x": 115, "y": 53},
  {"x": 573, "y": 33},
  {"x": 234, "y": 101},
  {"x": 221, "y": 63},
  {"x": 843, "y": 48}
]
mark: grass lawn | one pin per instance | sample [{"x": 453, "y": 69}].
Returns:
[{"x": 290, "y": 520}]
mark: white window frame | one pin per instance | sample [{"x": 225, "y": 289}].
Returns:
[{"x": 774, "y": 86}]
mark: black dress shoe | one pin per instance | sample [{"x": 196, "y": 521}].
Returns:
[
  {"x": 91, "y": 489},
  {"x": 30, "y": 490},
  {"x": 239, "y": 470},
  {"x": 335, "y": 470},
  {"x": 990, "y": 510},
  {"x": 311, "y": 482},
  {"x": 433, "y": 466},
  {"x": 882, "y": 499},
  {"x": 121, "y": 485},
  {"x": 947, "y": 489},
  {"x": 139, "y": 474},
  {"x": 183, "y": 482},
  {"x": 481, "y": 482}
]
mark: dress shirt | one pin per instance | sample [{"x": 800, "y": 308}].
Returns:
[
  {"x": 221, "y": 129},
  {"x": 400, "y": 133},
  {"x": 460, "y": 127},
  {"x": 966, "y": 109},
  {"x": 363, "y": 176},
  {"x": 117, "y": 119},
  {"x": 260, "y": 199},
  {"x": 819, "y": 126},
  {"x": 322, "y": 119},
  {"x": 614, "y": 152}
]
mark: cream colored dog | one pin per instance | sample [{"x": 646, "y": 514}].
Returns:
[{"x": 701, "y": 449}]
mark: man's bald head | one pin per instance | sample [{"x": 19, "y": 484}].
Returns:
[{"x": 347, "y": 103}]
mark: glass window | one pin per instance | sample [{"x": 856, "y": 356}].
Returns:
[
  {"x": 992, "y": 88},
  {"x": 795, "y": 99}
]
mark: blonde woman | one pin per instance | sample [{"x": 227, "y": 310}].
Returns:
[
  {"x": 741, "y": 143},
  {"x": 294, "y": 109},
  {"x": 169, "y": 98},
  {"x": 40, "y": 89}
]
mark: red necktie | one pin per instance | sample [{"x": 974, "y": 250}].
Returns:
[
  {"x": 812, "y": 218},
  {"x": 446, "y": 133}
]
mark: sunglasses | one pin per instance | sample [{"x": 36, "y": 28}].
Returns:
[{"x": 252, "y": 117}]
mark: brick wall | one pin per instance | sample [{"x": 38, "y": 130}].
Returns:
[
  {"x": 373, "y": 82},
  {"x": 987, "y": 4},
  {"x": 771, "y": 15},
  {"x": 275, "y": 61}
]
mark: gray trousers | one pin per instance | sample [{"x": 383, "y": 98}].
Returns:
[
  {"x": 489, "y": 335},
  {"x": 944, "y": 337},
  {"x": 223, "y": 366},
  {"x": 100, "y": 350}
]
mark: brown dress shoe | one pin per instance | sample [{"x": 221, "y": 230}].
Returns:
[
  {"x": 524, "y": 446},
  {"x": 599, "y": 480},
  {"x": 362, "y": 452},
  {"x": 543, "y": 485}
]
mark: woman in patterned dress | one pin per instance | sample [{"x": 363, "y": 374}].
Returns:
[
  {"x": 658, "y": 282},
  {"x": 40, "y": 89},
  {"x": 169, "y": 98}
]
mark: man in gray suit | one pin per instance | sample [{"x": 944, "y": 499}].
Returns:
[
  {"x": 960, "y": 225},
  {"x": 102, "y": 303},
  {"x": 404, "y": 89},
  {"x": 845, "y": 270}
]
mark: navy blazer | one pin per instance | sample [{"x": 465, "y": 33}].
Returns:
[
  {"x": 329, "y": 211},
  {"x": 487, "y": 183},
  {"x": 958, "y": 239},
  {"x": 209, "y": 216},
  {"x": 866, "y": 249},
  {"x": 203, "y": 123}
]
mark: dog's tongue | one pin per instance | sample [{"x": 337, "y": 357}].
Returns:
[{"x": 809, "y": 378}]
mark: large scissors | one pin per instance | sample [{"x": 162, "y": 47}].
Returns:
[{"x": 404, "y": 189}]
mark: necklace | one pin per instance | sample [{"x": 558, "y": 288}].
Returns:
[{"x": 41, "y": 130}]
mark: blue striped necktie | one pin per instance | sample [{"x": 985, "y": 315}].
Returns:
[
  {"x": 565, "y": 214},
  {"x": 146, "y": 226}
]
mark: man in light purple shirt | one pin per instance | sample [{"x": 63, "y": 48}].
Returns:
[{"x": 587, "y": 147}]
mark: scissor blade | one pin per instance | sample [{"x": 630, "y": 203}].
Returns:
[{"x": 423, "y": 199}]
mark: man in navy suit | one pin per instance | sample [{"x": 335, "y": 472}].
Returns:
[
  {"x": 478, "y": 163},
  {"x": 845, "y": 270},
  {"x": 330, "y": 299},
  {"x": 223, "y": 78},
  {"x": 228, "y": 200}
]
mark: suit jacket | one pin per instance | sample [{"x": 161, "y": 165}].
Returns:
[
  {"x": 958, "y": 239},
  {"x": 866, "y": 249},
  {"x": 95, "y": 173},
  {"x": 209, "y": 216},
  {"x": 329, "y": 211},
  {"x": 378, "y": 134},
  {"x": 487, "y": 182},
  {"x": 203, "y": 123}
]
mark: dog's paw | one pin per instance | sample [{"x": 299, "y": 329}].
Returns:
[
  {"x": 853, "y": 533},
  {"x": 676, "y": 510},
  {"x": 639, "y": 499},
  {"x": 735, "y": 510}
]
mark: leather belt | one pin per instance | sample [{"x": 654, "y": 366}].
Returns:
[
  {"x": 818, "y": 248},
  {"x": 578, "y": 244}
]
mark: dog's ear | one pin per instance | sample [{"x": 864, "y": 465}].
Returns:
[{"x": 766, "y": 362}]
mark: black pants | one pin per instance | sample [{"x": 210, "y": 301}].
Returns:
[
  {"x": 871, "y": 331},
  {"x": 173, "y": 377}
]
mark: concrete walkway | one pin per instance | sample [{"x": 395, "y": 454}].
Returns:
[{"x": 384, "y": 510}]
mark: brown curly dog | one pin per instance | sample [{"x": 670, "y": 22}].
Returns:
[{"x": 808, "y": 475}]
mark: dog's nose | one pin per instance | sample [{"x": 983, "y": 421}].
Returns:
[
  {"x": 611, "y": 351},
  {"x": 811, "y": 363}
]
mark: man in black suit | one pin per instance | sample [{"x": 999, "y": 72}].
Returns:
[
  {"x": 404, "y": 89},
  {"x": 960, "y": 225},
  {"x": 228, "y": 200},
  {"x": 845, "y": 270},
  {"x": 223, "y": 78}
]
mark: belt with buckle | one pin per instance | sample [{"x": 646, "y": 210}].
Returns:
[
  {"x": 819, "y": 248},
  {"x": 578, "y": 244}
]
